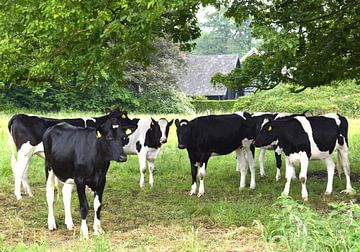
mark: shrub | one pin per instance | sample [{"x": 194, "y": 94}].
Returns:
[
  {"x": 343, "y": 98},
  {"x": 298, "y": 228}
]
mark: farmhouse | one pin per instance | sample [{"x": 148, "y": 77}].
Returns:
[{"x": 195, "y": 80}]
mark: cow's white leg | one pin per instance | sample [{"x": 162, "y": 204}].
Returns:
[
  {"x": 251, "y": 162},
  {"x": 24, "y": 155},
  {"x": 97, "y": 225},
  {"x": 84, "y": 229},
  {"x": 289, "y": 171},
  {"x": 25, "y": 181},
  {"x": 50, "y": 200},
  {"x": 202, "y": 172},
  {"x": 142, "y": 167},
  {"x": 241, "y": 163},
  {"x": 303, "y": 175},
  {"x": 343, "y": 159},
  {"x": 261, "y": 161},
  {"x": 151, "y": 172},
  {"x": 66, "y": 191},
  {"x": 330, "y": 171}
]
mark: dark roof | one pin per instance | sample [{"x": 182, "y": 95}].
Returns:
[{"x": 199, "y": 69}]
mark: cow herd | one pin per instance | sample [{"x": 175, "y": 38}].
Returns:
[{"x": 78, "y": 151}]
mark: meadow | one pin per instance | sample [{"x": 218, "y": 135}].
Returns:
[{"x": 165, "y": 217}]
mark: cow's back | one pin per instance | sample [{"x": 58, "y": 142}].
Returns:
[{"x": 217, "y": 133}]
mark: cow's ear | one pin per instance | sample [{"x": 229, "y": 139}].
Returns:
[
  {"x": 153, "y": 121},
  {"x": 177, "y": 123},
  {"x": 171, "y": 122}
]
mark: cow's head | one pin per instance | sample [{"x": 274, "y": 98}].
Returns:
[
  {"x": 183, "y": 132},
  {"x": 112, "y": 138},
  {"x": 164, "y": 126},
  {"x": 267, "y": 135},
  {"x": 122, "y": 116}
]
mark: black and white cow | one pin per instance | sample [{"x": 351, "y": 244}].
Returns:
[
  {"x": 258, "y": 120},
  {"x": 26, "y": 131},
  {"x": 217, "y": 135},
  {"x": 81, "y": 157},
  {"x": 309, "y": 138},
  {"x": 145, "y": 142}
]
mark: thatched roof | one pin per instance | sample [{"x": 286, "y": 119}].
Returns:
[{"x": 195, "y": 80}]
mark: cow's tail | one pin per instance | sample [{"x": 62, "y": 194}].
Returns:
[
  {"x": 343, "y": 150},
  {"x": 11, "y": 143}
]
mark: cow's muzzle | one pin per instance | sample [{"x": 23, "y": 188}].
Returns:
[
  {"x": 163, "y": 140},
  {"x": 122, "y": 158},
  {"x": 181, "y": 146}
]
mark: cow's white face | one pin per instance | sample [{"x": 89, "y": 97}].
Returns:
[{"x": 164, "y": 129}]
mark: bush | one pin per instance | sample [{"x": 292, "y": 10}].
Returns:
[
  {"x": 298, "y": 228},
  {"x": 212, "y": 106},
  {"x": 343, "y": 98}
]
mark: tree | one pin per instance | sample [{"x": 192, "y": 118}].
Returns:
[
  {"x": 220, "y": 35},
  {"x": 306, "y": 43},
  {"x": 48, "y": 41}
]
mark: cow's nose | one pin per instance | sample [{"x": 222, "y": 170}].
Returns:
[
  {"x": 122, "y": 158},
  {"x": 163, "y": 140}
]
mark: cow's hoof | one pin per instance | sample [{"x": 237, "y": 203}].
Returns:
[
  {"x": 349, "y": 191},
  {"x": 51, "y": 225},
  {"x": 18, "y": 197},
  {"x": 305, "y": 199},
  {"x": 69, "y": 225},
  {"x": 200, "y": 194},
  {"x": 241, "y": 188},
  {"x": 98, "y": 231},
  {"x": 327, "y": 193},
  {"x": 192, "y": 192}
]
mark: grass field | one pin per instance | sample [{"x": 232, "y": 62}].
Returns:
[{"x": 164, "y": 217}]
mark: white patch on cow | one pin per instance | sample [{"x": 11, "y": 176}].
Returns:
[
  {"x": 183, "y": 123},
  {"x": 193, "y": 189},
  {"x": 50, "y": 186},
  {"x": 202, "y": 173},
  {"x": 66, "y": 191},
  {"x": 315, "y": 152},
  {"x": 278, "y": 150},
  {"x": 32, "y": 115},
  {"x": 88, "y": 118},
  {"x": 333, "y": 116},
  {"x": 241, "y": 165},
  {"x": 241, "y": 113},
  {"x": 115, "y": 126},
  {"x": 97, "y": 225},
  {"x": 213, "y": 154},
  {"x": 264, "y": 122},
  {"x": 84, "y": 229},
  {"x": 261, "y": 161},
  {"x": 163, "y": 124},
  {"x": 278, "y": 174},
  {"x": 281, "y": 115}
]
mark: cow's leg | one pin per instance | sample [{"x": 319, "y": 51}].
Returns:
[
  {"x": 66, "y": 191},
  {"x": 50, "y": 186},
  {"x": 330, "y": 166},
  {"x": 151, "y": 172},
  {"x": 304, "y": 161},
  {"x": 24, "y": 155},
  {"x": 278, "y": 166},
  {"x": 84, "y": 207},
  {"x": 142, "y": 167},
  {"x": 288, "y": 174},
  {"x": 25, "y": 181},
  {"x": 261, "y": 161},
  {"x": 241, "y": 163},
  {"x": 202, "y": 172},
  {"x": 251, "y": 160},
  {"x": 343, "y": 159},
  {"x": 97, "y": 209},
  {"x": 194, "y": 169}
]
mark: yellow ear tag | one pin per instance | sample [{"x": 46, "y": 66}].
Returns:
[
  {"x": 123, "y": 116},
  {"x": 98, "y": 134},
  {"x": 270, "y": 128},
  {"x": 128, "y": 131}
]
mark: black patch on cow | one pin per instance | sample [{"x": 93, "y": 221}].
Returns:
[
  {"x": 153, "y": 135},
  {"x": 138, "y": 146}
]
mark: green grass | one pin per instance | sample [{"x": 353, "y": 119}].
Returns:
[{"x": 165, "y": 216}]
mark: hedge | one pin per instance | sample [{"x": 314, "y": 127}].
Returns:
[
  {"x": 212, "y": 105},
  {"x": 343, "y": 98}
]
